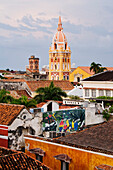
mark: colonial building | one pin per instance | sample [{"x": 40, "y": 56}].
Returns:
[
  {"x": 88, "y": 149},
  {"x": 82, "y": 72},
  {"x": 59, "y": 56},
  {"x": 100, "y": 84}
]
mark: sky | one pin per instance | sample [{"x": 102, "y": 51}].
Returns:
[{"x": 27, "y": 28}]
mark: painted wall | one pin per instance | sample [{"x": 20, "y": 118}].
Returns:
[
  {"x": 81, "y": 159},
  {"x": 79, "y": 71},
  {"x": 63, "y": 120},
  {"x": 4, "y": 136}
]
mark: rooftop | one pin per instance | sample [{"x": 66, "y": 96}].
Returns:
[
  {"x": 10, "y": 159},
  {"x": 8, "y": 112},
  {"x": 104, "y": 76},
  {"x": 63, "y": 84},
  {"x": 97, "y": 138}
]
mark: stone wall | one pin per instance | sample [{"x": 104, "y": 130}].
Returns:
[{"x": 26, "y": 123}]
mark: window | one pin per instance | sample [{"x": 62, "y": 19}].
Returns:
[
  {"x": 55, "y": 67},
  {"x": 58, "y": 66},
  {"x": 64, "y": 77},
  {"x": 39, "y": 153},
  {"x": 108, "y": 93},
  {"x": 51, "y": 66},
  {"x": 101, "y": 92},
  {"x": 93, "y": 93},
  {"x": 65, "y": 160},
  {"x": 67, "y": 77},
  {"x": 55, "y": 46},
  {"x": 78, "y": 79},
  {"x": 31, "y": 67},
  {"x": 65, "y": 46},
  {"x": 36, "y": 67},
  {"x": 64, "y": 165},
  {"x": 39, "y": 158},
  {"x": 86, "y": 92},
  {"x": 36, "y": 62}
]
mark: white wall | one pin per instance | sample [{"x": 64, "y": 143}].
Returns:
[
  {"x": 90, "y": 116},
  {"x": 97, "y": 85}
]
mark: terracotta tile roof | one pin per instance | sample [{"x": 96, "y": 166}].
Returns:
[
  {"x": 104, "y": 167},
  {"x": 12, "y": 80},
  {"x": 40, "y": 104},
  {"x": 97, "y": 138},
  {"x": 66, "y": 107},
  {"x": 104, "y": 76},
  {"x": 87, "y": 69},
  {"x": 18, "y": 93},
  {"x": 8, "y": 112},
  {"x": 8, "y": 77},
  {"x": 63, "y": 84},
  {"x": 23, "y": 92},
  {"x": 18, "y": 160}
]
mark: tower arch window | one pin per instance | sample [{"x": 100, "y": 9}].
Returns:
[
  {"x": 36, "y": 67},
  {"x": 58, "y": 66},
  {"x": 36, "y": 62},
  {"x": 55, "y": 46},
  {"x": 67, "y": 77},
  {"x": 55, "y": 67},
  {"x": 63, "y": 66},
  {"x": 65, "y": 46},
  {"x": 51, "y": 66},
  {"x": 64, "y": 77}
]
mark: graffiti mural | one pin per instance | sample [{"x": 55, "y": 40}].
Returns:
[{"x": 64, "y": 120}]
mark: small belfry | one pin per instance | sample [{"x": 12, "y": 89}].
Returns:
[{"x": 59, "y": 56}]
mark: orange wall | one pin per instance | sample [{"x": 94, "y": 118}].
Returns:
[{"x": 81, "y": 159}]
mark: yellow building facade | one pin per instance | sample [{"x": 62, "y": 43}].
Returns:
[
  {"x": 59, "y": 56},
  {"x": 80, "y": 73}
]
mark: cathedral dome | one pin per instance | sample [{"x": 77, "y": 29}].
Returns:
[{"x": 59, "y": 39}]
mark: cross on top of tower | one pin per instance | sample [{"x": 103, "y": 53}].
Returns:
[{"x": 59, "y": 24}]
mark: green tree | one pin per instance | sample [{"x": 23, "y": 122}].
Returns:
[
  {"x": 24, "y": 101},
  {"x": 4, "y": 97},
  {"x": 95, "y": 67},
  {"x": 101, "y": 69},
  {"x": 49, "y": 93},
  {"x": 106, "y": 114}
]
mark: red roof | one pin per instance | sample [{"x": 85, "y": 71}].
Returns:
[
  {"x": 8, "y": 113},
  {"x": 10, "y": 159},
  {"x": 40, "y": 104},
  {"x": 63, "y": 84}
]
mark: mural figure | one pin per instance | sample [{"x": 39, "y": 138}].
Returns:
[{"x": 64, "y": 120}]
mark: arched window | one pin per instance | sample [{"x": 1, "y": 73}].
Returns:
[
  {"x": 78, "y": 79},
  {"x": 58, "y": 66},
  {"x": 51, "y": 66},
  {"x": 55, "y": 67},
  {"x": 55, "y": 46}
]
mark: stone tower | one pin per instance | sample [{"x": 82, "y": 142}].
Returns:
[
  {"x": 59, "y": 56},
  {"x": 34, "y": 64}
]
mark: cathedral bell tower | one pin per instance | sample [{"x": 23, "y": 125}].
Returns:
[{"x": 59, "y": 56}]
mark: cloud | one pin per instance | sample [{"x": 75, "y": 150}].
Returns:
[{"x": 8, "y": 27}]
